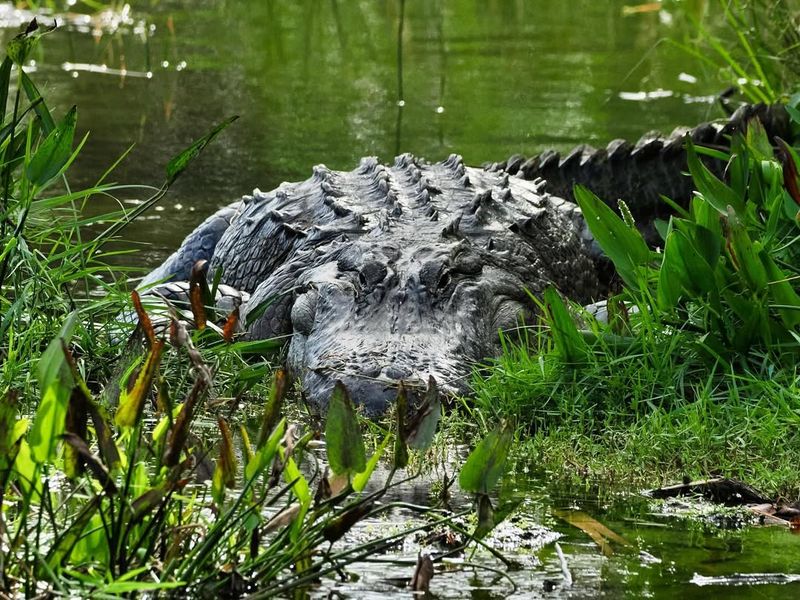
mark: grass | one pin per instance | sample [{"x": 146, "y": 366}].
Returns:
[
  {"x": 695, "y": 372},
  {"x": 632, "y": 424},
  {"x": 751, "y": 45},
  {"x": 99, "y": 493}
]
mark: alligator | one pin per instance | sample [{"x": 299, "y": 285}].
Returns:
[{"x": 400, "y": 272}]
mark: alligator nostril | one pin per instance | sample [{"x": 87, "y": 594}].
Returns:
[{"x": 396, "y": 372}]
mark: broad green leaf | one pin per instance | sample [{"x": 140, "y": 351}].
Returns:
[
  {"x": 301, "y": 491},
  {"x": 705, "y": 215},
  {"x": 92, "y": 545},
  {"x": 134, "y": 391},
  {"x": 568, "y": 340},
  {"x": 342, "y": 434},
  {"x": 9, "y": 441},
  {"x": 699, "y": 275},
  {"x": 27, "y": 472},
  {"x": 671, "y": 275},
  {"x": 36, "y": 99},
  {"x": 705, "y": 242},
  {"x": 486, "y": 463},
  {"x": 758, "y": 140},
  {"x": 65, "y": 542},
  {"x": 300, "y": 488},
  {"x": 178, "y": 164},
  {"x": 622, "y": 244},
  {"x": 54, "y": 152},
  {"x": 5, "y": 79},
  {"x": 360, "y": 480},
  {"x": 714, "y": 191},
  {"x": 744, "y": 253},
  {"x": 782, "y": 292},
  {"x": 56, "y": 383},
  {"x": 137, "y": 587}
]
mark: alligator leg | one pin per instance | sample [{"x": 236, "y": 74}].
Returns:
[{"x": 198, "y": 245}]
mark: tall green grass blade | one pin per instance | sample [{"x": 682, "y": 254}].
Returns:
[
  {"x": 36, "y": 99},
  {"x": 178, "y": 164},
  {"x": 54, "y": 152},
  {"x": 568, "y": 340},
  {"x": 715, "y": 192}
]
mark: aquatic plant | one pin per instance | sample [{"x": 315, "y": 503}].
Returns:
[{"x": 752, "y": 45}]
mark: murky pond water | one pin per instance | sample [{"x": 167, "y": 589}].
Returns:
[
  {"x": 646, "y": 549},
  {"x": 319, "y": 81}
]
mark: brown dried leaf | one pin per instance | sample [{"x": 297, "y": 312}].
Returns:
[
  {"x": 283, "y": 518},
  {"x": 144, "y": 319},
  {"x": 93, "y": 463},
  {"x": 179, "y": 432},
  {"x": 196, "y": 295},
  {"x": 229, "y": 329},
  {"x": 601, "y": 534}
]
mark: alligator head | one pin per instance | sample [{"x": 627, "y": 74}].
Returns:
[{"x": 389, "y": 274}]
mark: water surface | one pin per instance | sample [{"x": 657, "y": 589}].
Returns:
[{"x": 318, "y": 81}]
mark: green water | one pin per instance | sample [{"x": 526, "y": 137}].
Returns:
[{"x": 319, "y": 81}]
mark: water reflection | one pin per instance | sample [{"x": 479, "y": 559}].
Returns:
[{"x": 319, "y": 81}]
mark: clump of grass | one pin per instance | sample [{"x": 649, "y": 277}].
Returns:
[
  {"x": 694, "y": 372},
  {"x": 752, "y": 45}
]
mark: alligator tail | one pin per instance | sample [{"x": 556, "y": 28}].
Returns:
[{"x": 641, "y": 173}]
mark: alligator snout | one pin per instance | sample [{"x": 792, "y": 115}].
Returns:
[{"x": 374, "y": 394}]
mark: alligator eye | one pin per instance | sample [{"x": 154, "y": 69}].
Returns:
[{"x": 444, "y": 280}]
